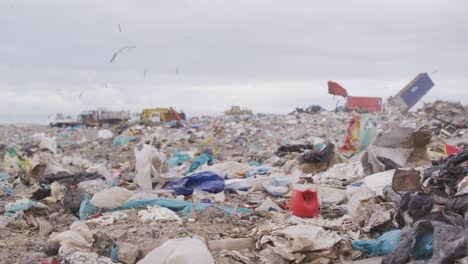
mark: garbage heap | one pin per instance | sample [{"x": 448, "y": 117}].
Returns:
[{"x": 313, "y": 187}]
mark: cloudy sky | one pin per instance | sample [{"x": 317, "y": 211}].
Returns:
[{"x": 202, "y": 56}]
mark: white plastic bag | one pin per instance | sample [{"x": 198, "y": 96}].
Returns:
[
  {"x": 48, "y": 143},
  {"x": 92, "y": 186},
  {"x": 179, "y": 251},
  {"x": 111, "y": 198},
  {"x": 101, "y": 169},
  {"x": 150, "y": 166},
  {"x": 105, "y": 134}
]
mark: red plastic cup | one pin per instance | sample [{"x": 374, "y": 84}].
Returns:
[{"x": 304, "y": 203}]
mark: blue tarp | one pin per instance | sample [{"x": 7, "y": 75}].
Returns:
[{"x": 207, "y": 181}]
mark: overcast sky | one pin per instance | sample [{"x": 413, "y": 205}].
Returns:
[{"x": 202, "y": 56}]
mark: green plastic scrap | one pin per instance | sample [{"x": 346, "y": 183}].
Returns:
[{"x": 12, "y": 151}]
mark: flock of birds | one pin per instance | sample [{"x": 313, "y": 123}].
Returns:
[{"x": 122, "y": 50}]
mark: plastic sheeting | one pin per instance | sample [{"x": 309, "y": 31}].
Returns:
[
  {"x": 150, "y": 166},
  {"x": 395, "y": 149},
  {"x": 105, "y": 134},
  {"x": 178, "y": 158},
  {"x": 204, "y": 158},
  {"x": 207, "y": 181},
  {"x": 179, "y": 251},
  {"x": 183, "y": 207},
  {"x": 382, "y": 246},
  {"x": 111, "y": 198}
]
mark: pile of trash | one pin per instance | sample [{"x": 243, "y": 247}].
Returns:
[
  {"x": 313, "y": 187},
  {"x": 313, "y": 109}
]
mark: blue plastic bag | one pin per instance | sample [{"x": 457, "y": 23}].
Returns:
[
  {"x": 255, "y": 163},
  {"x": 7, "y": 190},
  {"x": 382, "y": 246},
  {"x": 423, "y": 246},
  {"x": 207, "y": 181},
  {"x": 260, "y": 171},
  {"x": 178, "y": 158},
  {"x": 204, "y": 158},
  {"x": 277, "y": 186},
  {"x": 123, "y": 140},
  {"x": 19, "y": 206},
  {"x": 86, "y": 208},
  {"x": 114, "y": 253}
]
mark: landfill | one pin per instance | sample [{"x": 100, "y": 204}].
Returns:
[{"x": 313, "y": 186}]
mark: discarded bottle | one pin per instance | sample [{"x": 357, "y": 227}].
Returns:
[{"x": 304, "y": 203}]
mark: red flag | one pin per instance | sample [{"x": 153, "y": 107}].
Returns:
[{"x": 336, "y": 89}]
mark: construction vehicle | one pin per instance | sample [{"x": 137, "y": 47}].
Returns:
[
  {"x": 161, "y": 115},
  {"x": 103, "y": 116},
  {"x": 60, "y": 120},
  {"x": 237, "y": 110}
]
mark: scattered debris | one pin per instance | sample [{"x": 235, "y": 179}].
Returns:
[{"x": 256, "y": 188}]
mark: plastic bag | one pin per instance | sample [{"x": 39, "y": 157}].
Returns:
[
  {"x": 10, "y": 164},
  {"x": 149, "y": 163},
  {"x": 206, "y": 197},
  {"x": 276, "y": 187},
  {"x": 382, "y": 246},
  {"x": 204, "y": 158},
  {"x": 123, "y": 140},
  {"x": 244, "y": 184},
  {"x": 105, "y": 134},
  {"x": 279, "y": 185},
  {"x": 92, "y": 186},
  {"x": 178, "y": 158},
  {"x": 179, "y": 251},
  {"x": 227, "y": 168},
  {"x": 176, "y": 205},
  {"x": 18, "y": 206},
  {"x": 86, "y": 208},
  {"x": 48, "y": 143},
  {"x": 206, "y": 181},
  {"x": 102, "y": 170},
  {"x": 71, "y": 240},
  {"x": 111, "y": 198}
]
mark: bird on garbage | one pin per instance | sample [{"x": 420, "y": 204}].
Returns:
[{"x": 120, "y": 51}]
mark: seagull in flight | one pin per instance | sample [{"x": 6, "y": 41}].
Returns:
[{"x": 120, "y": 51}]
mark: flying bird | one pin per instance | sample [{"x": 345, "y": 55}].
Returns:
[
  {"x": 120, "y": 51},
  {"x": 145, "y": 72},
  {"x": 81, "y": 94}
]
